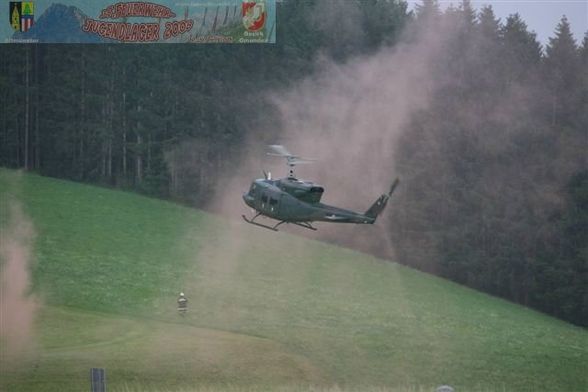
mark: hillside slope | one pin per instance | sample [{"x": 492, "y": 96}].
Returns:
[{"x": 266, "y": 309}]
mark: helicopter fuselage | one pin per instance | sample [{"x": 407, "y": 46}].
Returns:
[{"x": 292, "y": 200}]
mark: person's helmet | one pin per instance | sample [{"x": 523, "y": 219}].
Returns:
[{"x": 181, "y": 294}]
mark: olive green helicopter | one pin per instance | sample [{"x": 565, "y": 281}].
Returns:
[{"x": 290, "y": 200}]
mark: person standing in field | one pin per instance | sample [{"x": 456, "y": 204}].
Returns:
[{"x": 182, "y": 304}]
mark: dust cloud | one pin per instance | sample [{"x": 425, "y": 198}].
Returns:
[
  {"x": 349, "y": 117},
  {"x": 17, "y": 305}
]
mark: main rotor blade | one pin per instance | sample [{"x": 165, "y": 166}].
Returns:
[
  {"x": 280, "y": 150},
  {"x": 300, "y": 161}
]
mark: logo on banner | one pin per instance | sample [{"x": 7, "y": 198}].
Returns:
[
  {"x": 254, "y": 15},
  {"x": 22, "y": 15}
]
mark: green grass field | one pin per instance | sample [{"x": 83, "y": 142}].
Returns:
[{"x": 267, "y": 311}]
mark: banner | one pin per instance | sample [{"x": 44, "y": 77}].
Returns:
[{"x": 100, "y": 21}]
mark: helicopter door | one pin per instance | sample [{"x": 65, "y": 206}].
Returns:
[
  {"x": 264, "y": 204},
  {"x": 273, "y": 204},
  {"x": 269, "y": 203}
]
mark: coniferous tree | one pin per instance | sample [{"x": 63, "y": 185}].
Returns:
[
  {"x": 429, "y": 9},
  {"x": 382, "y": 21},
  {"x": 522, "y": 51},
  {"x": 562, "y": 68},
  {"x": 487, "y": 55},
  {"x": 582, "y": 114}
]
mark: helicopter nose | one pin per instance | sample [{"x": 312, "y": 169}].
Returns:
[{"x": 248, "y": 199}]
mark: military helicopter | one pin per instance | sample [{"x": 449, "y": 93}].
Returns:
[{"x": 290, "y": 200}]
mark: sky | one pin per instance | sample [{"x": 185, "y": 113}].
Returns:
[{"x": 541, "y": 16}]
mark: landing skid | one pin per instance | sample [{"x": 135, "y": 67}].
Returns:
[
  {"x": 306, "y": 225},
  {"x": 251, "y": 221}
]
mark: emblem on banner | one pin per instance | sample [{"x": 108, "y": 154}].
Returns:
[
  {"x": 21, "y": 15},
  {"x": 254, "y": 15}
]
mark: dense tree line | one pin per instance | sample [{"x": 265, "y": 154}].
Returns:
[
  {"x": 495, "y": 170},
  {"x": 495, "y": 177},
  {"x": 114, "y": 114}
]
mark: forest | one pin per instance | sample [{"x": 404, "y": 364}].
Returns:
[{"x": 494, "y": 169}]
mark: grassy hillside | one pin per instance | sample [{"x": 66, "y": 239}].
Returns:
[{"x": 267, "y": 310}]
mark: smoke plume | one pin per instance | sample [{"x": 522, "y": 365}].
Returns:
[{"x": 17, "y": 305}]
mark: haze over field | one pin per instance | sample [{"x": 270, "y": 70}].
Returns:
[
  {"x": 402, "y": 112},
  {"x": 273, "y": 312},
  {"x": 485, "y": 129}
]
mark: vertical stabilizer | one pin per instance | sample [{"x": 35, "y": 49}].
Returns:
[{"x": 380, "y": 204}]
